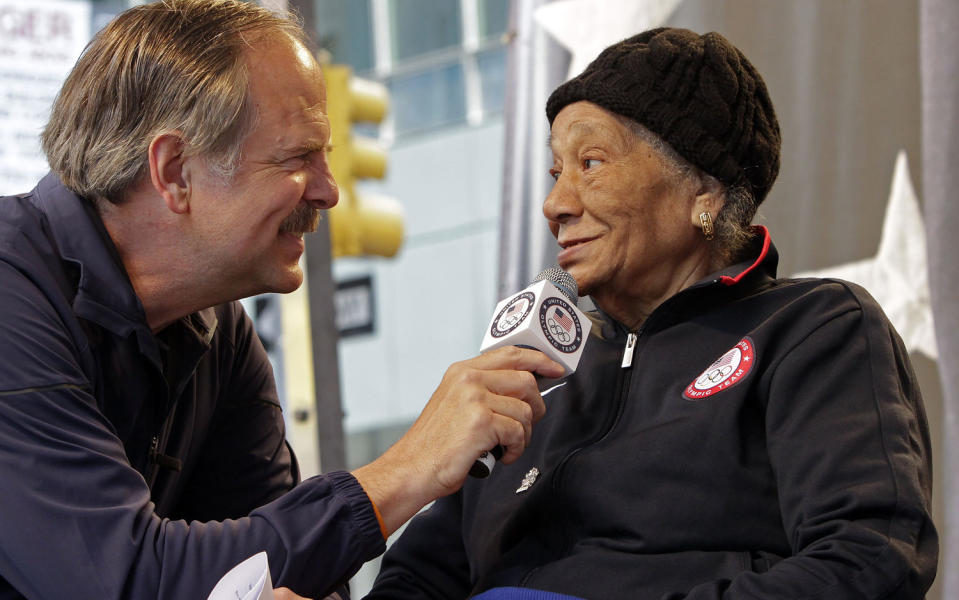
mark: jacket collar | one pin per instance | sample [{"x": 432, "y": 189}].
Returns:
[
  {"x": 763, "y": 260},
  {"x": 105, "y": 295}
]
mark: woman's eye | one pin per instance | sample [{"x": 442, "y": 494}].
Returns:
[
  {"x": 589, "y": 163},
  {"x": 554, "y": 173}
]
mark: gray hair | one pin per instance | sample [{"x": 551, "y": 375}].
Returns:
[
  {"x": 732, "y": 231},
  {"x": 174, "y": 65}
]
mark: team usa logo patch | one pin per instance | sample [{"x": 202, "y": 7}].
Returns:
[
  {"x": 728, "y": 370},
  {"x": 561, "y": 325},
  {"x": 512, "y": 314}
]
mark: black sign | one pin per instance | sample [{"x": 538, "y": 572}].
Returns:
[{"x": 355, "y": 308}]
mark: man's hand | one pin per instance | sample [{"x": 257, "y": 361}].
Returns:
[
  {"x": 488, "y": 400},
  {"x": 286, "y": 594}
]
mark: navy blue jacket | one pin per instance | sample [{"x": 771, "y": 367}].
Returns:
[
  {"x": 766, "y": 441},
  {"x": 135, "y": 465}
]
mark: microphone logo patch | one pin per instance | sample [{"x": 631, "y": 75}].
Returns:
[
  {"x": 512, "y": 314},
  {"x": 560, "y": 325},
  {"x": 725, "y": 372}
]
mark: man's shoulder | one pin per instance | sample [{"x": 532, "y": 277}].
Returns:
[
  {"x": 41, "y": 342},
  {"x": 21, "y": 226},
  {"x": 40, "y": 338},
  {"x": 29, "y": 251}
]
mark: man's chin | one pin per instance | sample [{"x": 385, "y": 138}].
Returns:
[{"x": 288, "y": 281}]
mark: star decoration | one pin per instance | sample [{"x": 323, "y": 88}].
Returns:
[{"x": 898, "y": 276}]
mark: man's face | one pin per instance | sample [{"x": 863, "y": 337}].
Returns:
[
  {"x": 251, "y": 228},
  {"x": 624, "y": 223}
]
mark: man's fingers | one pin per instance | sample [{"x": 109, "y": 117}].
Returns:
[
  {"x": 480, "y": 403},
  {"x": 287, "y": 594},
  {"x": 517, "y": 411},
  {"x": 520, "y": 385},
  {"x": 519, "y": 359},
  {"x": 513, "y": 437}
]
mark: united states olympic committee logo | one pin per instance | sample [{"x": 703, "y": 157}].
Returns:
[
  {"x": 512, "y": 314},
  {"x": 725, "y": 372},
  {"x": 561, "y": 325}
]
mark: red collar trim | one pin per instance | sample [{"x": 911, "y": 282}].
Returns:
[{"x": 767, "y": 241}]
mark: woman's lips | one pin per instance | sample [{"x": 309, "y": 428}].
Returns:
[{"x": 571, "y": 248}]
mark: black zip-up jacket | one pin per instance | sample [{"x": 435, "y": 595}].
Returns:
[
  {"x": 764, "y": 439},
  {"x": 135, "y": 465}
]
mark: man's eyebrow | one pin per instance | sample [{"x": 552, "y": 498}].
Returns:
[
  {"x": 305, "y": 147},
  {"x": 313, "y": 145}
]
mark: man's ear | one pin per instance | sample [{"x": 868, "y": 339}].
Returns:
[
  {"x": 709, "y": 198},
  {"x": 167, "y": 172}
]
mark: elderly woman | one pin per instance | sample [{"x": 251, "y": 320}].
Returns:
[{"x": 728, "y": 434}]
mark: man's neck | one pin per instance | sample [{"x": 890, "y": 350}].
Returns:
[{"x": 156, "y": 257}]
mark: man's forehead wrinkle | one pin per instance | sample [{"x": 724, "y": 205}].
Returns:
[
  {"x": 296, "y": 106},
  {"x": 303, "y": 115}
]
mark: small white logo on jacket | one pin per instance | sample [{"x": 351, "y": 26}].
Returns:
[{"x": 528, "y": 481}]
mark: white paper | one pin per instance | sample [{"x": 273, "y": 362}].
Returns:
[{"x": 249, "y": 580}]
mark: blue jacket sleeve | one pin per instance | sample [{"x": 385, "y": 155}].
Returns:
[{"x": 77, "y": 519}]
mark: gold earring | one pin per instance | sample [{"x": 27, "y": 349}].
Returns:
[{"x": 707, "y": 220}]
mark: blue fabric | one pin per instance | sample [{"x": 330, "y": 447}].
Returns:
[
  {"x": 515, "y": 593},
  {"x": 91, "y": 400}
]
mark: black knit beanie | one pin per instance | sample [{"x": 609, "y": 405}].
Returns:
[{"x": 697, "y": 92}]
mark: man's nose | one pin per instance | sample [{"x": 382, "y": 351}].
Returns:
[{"x": 321, "y": 189}]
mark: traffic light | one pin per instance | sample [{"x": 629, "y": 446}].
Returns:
[{"x": 369, "y": 224}]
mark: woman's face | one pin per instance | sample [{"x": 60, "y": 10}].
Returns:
[{"x": 626, "y": 225}]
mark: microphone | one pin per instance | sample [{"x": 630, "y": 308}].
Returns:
[{"x": 544, "y": 317}]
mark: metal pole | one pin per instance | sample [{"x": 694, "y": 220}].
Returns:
[{"x": 323, "y": 332}]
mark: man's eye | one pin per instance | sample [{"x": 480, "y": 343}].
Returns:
[{"x": 589, "y": 163}]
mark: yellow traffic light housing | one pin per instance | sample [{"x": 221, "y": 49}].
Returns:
[{"x": 360, "y": 224}]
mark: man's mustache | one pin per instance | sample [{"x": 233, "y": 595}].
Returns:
[{"x": 303, "y": 219}]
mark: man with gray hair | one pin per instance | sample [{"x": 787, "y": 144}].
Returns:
[{"x": 142, "y": 447}]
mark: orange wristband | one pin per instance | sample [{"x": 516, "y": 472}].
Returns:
[{"x": 379, "y": 518}]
